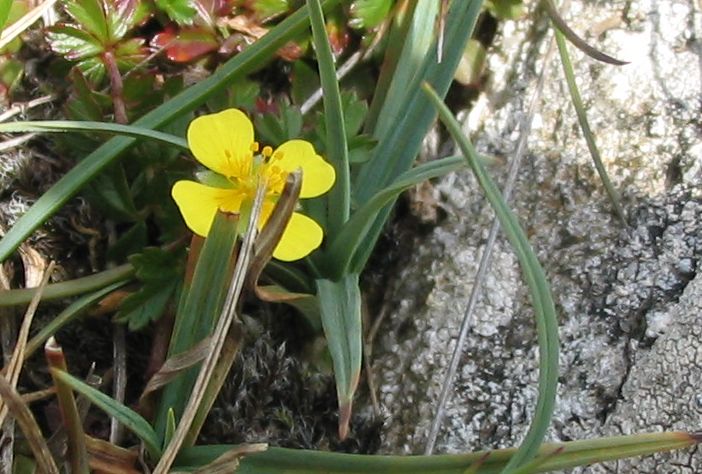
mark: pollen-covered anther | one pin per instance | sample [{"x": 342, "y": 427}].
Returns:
[
  {"x": 254, "y": 147},
  {"x": 267, "y": 151}
]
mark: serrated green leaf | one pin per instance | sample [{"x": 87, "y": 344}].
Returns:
[
  {"x": 123, "y": 15},
  {"x": 179, "y": 11},
  {"x": 72, "y": 43},
  {"x": 93, "y": 69},
  {"x": 130, "y": 53},
  {"x": 155, "y": 264},
  {"x": 90, "y": 15},
  {"x": 110, "y": 193},
  {"x": 367, "y": 14},
  {"x": 146, "y": 305}
]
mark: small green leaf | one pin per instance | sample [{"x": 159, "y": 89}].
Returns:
[
  {"x": 129, "y": 53},
  {"x": 179, "y": 11},
  {"x": 90, "y": 15},
  {"x": 367, "y": 14},
  {"x": 160, "y": 272},
  {"x": 146, "y": 305},
  {"x": 72, "y": 43},
  {"x": 110, "y": 193}
]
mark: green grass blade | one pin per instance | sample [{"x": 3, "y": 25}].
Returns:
[
  {"x": 66, "y": 289},
  {"x": 398, "y": 147},
  {"x": 416, "y": 41},
  {"x": 544, "y": 310},
  {"x": 585, "y": 125},
  {"x": 351, "y": 236},
  {"x": 65, "y": 188},
  {"x": 337, "y": 148},
  {"x": 567, "y": 455},
  {"x": 397, "y": 150},
  {"x": 340, "y": 308},
  {"x": 63, "y": 126},
  {"x": 130, "y": 419},
  {"x": 198, "y": 311},
  {"x": 74, "y": 310}
]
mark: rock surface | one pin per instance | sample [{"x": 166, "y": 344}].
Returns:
[{"x": 627, "y": 296}]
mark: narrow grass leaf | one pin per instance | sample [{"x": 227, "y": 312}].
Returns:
[
  {"x": 345, "y": 244},
  {"x": 130, "y": 419},
  {"x": 340, "y": 309},
  {"x": 198, "y": 310},
  {"x": 66, "y": 289},
  {"x": 544, "y": 309},
  {"x": 339, "y": 197},
  {"x": 64, "y": 126},
  {"x": 416, "y": 41},
  {"x": 559, "y": 456},
  {"x": 245, "y": 62},
  {"x": 585, "y": 126},
  {"x": 398, "y": 148},
  {"x": 563, "y": 28}
]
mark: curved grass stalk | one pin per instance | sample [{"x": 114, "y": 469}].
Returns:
[
  {"x": 63, "y": 126},
  {"x": 555, "y": 456},
  {"x": 66, "y": 289},
  {"x": 585, "y": 126},
  {"x": 544, "y": 309}
]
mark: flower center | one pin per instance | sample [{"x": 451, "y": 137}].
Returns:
[{"x": 245, "y": 174}]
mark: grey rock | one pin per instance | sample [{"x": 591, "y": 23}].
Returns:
[{"x": 616, "y": 286}]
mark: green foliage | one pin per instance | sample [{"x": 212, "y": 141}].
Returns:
[
  {"x": 367, "y": 14},
  {"x": 505, "y": 9},
  {"x": 5, "y": 6},
  {"x": 160, "y": 273},
  {"x": 99, "y": 31},
  {"x": 180, "y": 11},
  {"x": 267, "y": 9}
]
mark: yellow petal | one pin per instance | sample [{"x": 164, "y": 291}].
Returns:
[
  {"x": 199, "y": 203},
  {"x": 301, "y": 236},
  {"x": 317, "y": 175},
  {"x": 222, "y": 142}
]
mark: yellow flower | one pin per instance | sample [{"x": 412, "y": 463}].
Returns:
[{"x": 224, "y": 143}]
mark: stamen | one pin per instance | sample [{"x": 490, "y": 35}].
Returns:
[
  {"x": 267, "y": 151},
  {"x": 278, "y": 155},
  {"x": 254, "y": 147},
  {"x": 228, "y": 154}
]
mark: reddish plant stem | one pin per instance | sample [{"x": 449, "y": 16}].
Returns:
[{"x": 116, "y": 87}]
